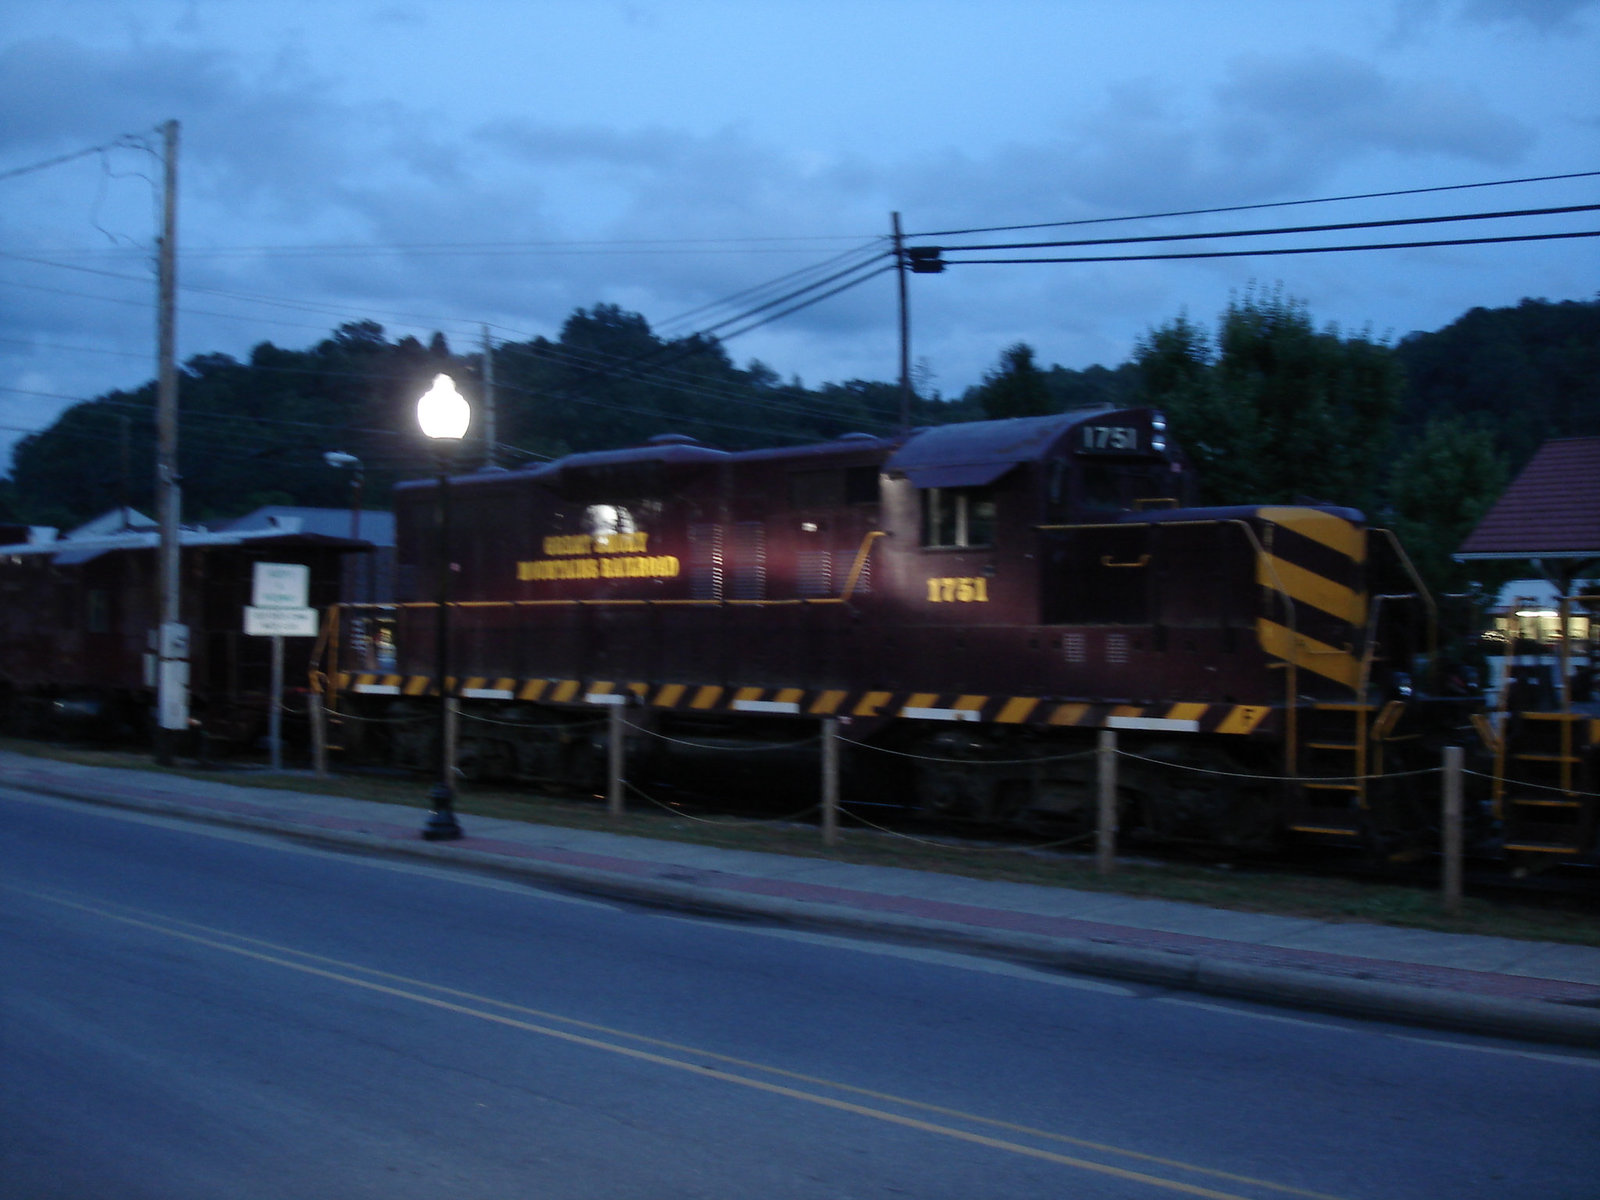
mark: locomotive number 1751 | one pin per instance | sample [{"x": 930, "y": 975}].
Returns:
[{"x": 974, "y": 590}]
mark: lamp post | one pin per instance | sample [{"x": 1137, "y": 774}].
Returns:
[
  {"x": 444, "y": 416},
  {"x": 338, "y": 458}
]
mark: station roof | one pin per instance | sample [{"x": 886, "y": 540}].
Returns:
[{"x": 1551, "y": 511}]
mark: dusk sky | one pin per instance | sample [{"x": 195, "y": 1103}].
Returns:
[{"x": 445, "y": 167}]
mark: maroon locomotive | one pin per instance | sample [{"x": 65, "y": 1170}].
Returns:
[{"x": 972, "y": 601}]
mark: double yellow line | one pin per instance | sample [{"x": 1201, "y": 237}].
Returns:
[{"x": 676, "y": 1056}]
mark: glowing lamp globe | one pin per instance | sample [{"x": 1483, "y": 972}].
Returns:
[{"x": 443, "y": 412}]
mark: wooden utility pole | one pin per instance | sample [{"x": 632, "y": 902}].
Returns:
[
  {"x": 172, "y": 683},
  {"x": 905, "y": 328}
]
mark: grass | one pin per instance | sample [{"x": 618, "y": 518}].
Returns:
[{"x": 1233, "y": 886}]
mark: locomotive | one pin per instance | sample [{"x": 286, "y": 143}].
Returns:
[{"x": 972, "y": 603}]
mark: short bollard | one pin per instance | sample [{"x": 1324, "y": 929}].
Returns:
[
  {"x": 1105, "y": 830},
  {"x": 1452, "y": 847},
  {"x": 616, "y": 760},
  {"x": 830, "y": 781}
]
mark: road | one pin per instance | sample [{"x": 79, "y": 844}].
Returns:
[{"x": 187, "y": 1011}]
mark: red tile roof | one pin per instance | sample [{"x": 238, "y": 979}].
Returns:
[{"x": 1551, "y": 510}]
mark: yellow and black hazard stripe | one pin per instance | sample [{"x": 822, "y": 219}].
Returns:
[
  {"x": 1314, "y": 563},
  {"x": 864, "y": 704}
]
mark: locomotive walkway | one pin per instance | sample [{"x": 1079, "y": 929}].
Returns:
[{"x": 1494, "y": 986}]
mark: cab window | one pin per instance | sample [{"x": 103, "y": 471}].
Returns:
[{"x": 954, "y": 517}]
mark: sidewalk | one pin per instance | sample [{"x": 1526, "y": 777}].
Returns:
[{"x": 1495, "y": 986}]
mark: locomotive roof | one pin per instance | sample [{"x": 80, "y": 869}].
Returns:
[{"x": 978, "y": 452}]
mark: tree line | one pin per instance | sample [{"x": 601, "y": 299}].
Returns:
[{"x": 1421, "y": 434}]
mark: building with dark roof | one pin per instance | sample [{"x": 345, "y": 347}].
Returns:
[{"x": 1549, "y": 516}]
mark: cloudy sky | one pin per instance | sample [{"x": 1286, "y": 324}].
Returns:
[{"x": 449, "y": 166}]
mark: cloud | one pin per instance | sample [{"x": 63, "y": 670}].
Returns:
[
  {"x": 1330, "y": 106},
  {"x": 1547, "y": 16}
]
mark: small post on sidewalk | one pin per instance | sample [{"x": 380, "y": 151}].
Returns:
[
  {"x": 452, "y": 733},
  {"x": 1452, "y": 848},
  {"x": 318, "y": 710},
  {"x": 830, "y": 781},
  {"x": 275, "y": 713},
  {"x": 615, "y": 760},
  {"x": 1105, "y": 832}
]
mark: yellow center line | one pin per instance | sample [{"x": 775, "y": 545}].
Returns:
[{"x": 212, "y": 938}]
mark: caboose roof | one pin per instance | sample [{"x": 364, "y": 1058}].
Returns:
[
  {"x": 116, "y": 533},
  {"x": 1550, "y": 512},
  {"x": 978, "y": 452}
]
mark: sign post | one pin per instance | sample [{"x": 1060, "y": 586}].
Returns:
[{"x": 278, "y": 610}]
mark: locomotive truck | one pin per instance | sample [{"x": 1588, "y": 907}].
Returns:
[{"x": 972, "y": 602}]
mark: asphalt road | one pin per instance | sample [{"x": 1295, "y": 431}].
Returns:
[{"x": 191, "y": 1012}]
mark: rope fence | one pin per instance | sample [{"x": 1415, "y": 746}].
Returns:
[{"x": 1107, "y": 756}]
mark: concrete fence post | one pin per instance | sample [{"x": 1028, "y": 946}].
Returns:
[
  {"x": 452, "y": 734},
  {"x": 1105, "y": 831},
  {"x": 616, "y": 759},
  {"x": 319, "y": 733},
  {"x": 1452, "y": 847},
  {"x": 830, "y": 781}
]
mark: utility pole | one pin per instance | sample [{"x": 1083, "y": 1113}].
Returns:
[
  {"x": 172, "y": 682},
  {"x": 905, "y": 329},
  {"x": 489, "y": 436}
]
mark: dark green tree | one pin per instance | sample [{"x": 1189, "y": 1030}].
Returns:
[
  {"x": 1278, "y": 411},
  {"x": 1017, "y": 388},
  {"x": 1442, "y": 484}
]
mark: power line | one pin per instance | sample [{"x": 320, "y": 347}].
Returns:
[
  {"x": 1270, "y": 252},
  {"x": 1287, "y": 229},
  {"x": 1203, "y": 212},
  {"x": 127, "y": 141}
]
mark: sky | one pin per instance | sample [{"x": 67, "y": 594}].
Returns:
[{"x": 498, "y": 164}]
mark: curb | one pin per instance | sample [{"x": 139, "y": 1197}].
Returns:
[{"x": 1529, "y": 1020}]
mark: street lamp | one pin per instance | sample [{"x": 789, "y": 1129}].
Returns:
[{"x": 444, "y": 416}]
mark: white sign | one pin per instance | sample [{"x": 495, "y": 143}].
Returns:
[
  {"x": 281, "y": 585},
  {"x": 280, "y": 622}
]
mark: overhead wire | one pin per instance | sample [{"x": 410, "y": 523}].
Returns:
[
  {"x": 1233, "y": 208},
  {"x": 1265, "y": 252},
  {"x": 1337, "y": 227}
]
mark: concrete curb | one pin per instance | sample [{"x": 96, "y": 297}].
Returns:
[{"x": 1530, "y": 1020}]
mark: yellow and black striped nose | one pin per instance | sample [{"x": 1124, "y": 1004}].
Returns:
[{"x": 1312, "y": 567}]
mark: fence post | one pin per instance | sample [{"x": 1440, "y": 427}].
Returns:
[
  {"x": 1105, "y": 834},
  {"x": 1452, "y": 847},
  {"x": 452, "y": 734},
  {"x": 830, "y": 781},
  {"x": 319, "y": 733},
  {"x": 615, "y": 760}
]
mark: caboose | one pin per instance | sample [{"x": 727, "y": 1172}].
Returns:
[
  {"x": 973, "y": 602},
  {"x": 79, "y": 611}
]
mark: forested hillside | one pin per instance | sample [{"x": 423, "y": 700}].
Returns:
[{"x": 1422, "y": 434}]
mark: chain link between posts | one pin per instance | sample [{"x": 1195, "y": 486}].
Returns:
[{"x": 592, "y": 725}]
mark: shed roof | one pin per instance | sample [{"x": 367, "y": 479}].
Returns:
[{"x": 1551, "y": 510}]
